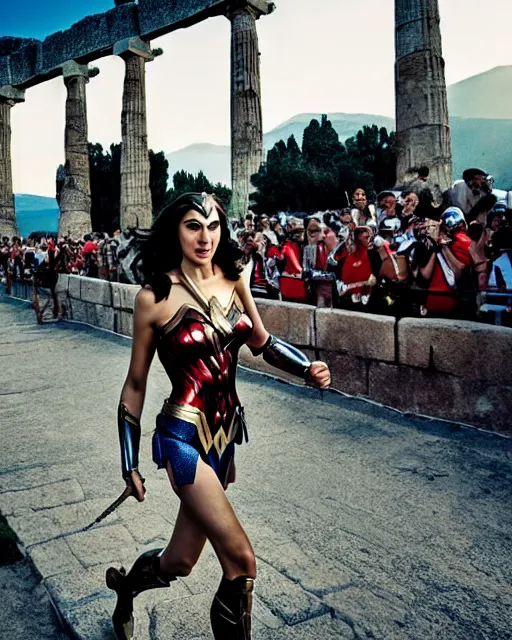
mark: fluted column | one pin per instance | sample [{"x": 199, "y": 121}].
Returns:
[
  {"x": 9, "y": 96},
  {"x": 246, "y": 120},
  {"x": 75, "y": 197},
  {"x": 135, "y": 206},
  {"x": 423, "y": 133}
]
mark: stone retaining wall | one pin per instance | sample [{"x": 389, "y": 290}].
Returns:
[{"x": 456, "y": 370}]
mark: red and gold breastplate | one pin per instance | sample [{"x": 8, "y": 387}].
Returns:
[{"x": 198, "y": 348}]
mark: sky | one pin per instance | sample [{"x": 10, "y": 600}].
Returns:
[{"x": 317, "y": 56}]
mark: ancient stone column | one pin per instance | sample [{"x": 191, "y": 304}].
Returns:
[
  {"x": 423, "y": 134},
  {"x": 135, "y": 205},
  {"x": 9, "y": 96},
  {"x": 246, "y": 121},
  {"x": 75, "y": 197}
]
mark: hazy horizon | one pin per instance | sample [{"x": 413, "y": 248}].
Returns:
[{"x": 347, "y": 66}]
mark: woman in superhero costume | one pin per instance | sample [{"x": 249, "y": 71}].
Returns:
[{"x": 195, "y": 312}]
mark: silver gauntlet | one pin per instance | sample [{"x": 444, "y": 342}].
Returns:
[
  {"x": 283, "y": 356},
  {"x": 129, "y": 440}
]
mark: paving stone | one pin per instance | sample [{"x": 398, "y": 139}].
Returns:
[
  {"x": 50, "y": 495},
  {"x": 183, "y": 619},
  {"x": 146, "y": 528},
  {"x": 37, "y": 475},
  {"x": 206, "y": 575},
  {"x": 76, "y": 588},
  {"x": 89, "y": 622},
  {"x": 104, "y": 544},
  {"x": 53, "y": 557},
  {"x": 51, "y": 523},
  {"x": 285, "y": 598},
  {"x": 415, "y": 511},
  {"x": 263, "y": 615},
  {"x": 323, "y": 628},
  {"x": 371, "y": 615},
  {"x": 315, "y": 573}
]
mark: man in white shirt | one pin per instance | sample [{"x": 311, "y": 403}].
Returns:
[{"x": 467, "y": 193}]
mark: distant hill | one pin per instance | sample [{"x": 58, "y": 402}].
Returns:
[
  {"x": 484, "y": 143},
  {"x": 486, "y": 95},
  {"x": 36, "y": 213},
  {"x": 481, "y": 124},
  {"x": 345, "y": 125},
  {"x": 481, "y": 142},
  {"x": 215, "y": 160}
]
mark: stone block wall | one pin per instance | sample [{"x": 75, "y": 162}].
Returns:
[{"x": 450, "y": 369}]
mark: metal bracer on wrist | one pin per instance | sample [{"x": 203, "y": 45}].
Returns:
[
  {"x": 284, "y": 356},
  {"x": 129, "y": 440}
]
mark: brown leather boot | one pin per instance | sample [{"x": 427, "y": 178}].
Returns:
[
  {"x": 230, "y": 613},
  {"x": 145, "y": 574}
]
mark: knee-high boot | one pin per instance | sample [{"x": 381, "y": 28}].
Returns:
[
  {"x": 230, "y": 613},
  {"x": 145, "y": 574}
]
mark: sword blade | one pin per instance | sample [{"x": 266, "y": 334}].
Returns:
[{"x": 110, "y": 509}]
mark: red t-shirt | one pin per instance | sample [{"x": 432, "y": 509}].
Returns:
[
  {"x": 356, "y": 268},
  {"x": 291, "y": 253},
  {"x": 89, "y": 247},
  {"x": 460, "y": 248},
  {"x": 442, "y": 298}
]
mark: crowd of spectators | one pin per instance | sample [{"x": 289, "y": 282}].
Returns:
[
  {"x": 407, "y": 254},
  {"x": 42, "y": 257}
]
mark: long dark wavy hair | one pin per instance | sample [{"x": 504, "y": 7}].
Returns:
[{"x": 160, "y": 251}]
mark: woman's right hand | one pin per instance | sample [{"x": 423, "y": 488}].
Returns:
[{"x": 137, "y": 484}]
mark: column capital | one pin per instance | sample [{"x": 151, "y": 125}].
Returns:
[
  {"x": 257, "y": 8},
  {"x": 10, "y": 93},
  {"x": 134, "y": 45},
  {"x": 73, "y": 69}
]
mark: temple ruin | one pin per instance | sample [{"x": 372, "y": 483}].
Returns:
[
  {"x": 423, "y": 133},
  {"x": 126, "y": 30}
]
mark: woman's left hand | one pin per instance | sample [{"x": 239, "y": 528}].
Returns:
[{"x": 319, "y": 375}]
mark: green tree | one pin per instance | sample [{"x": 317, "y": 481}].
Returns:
[
  {"x": 185, "y": 182},
  {"x": 312, "y": 179},
  {"x": 374, "y": 148},
  {"x": 321, "y": 145},
  {"x": 105, "y": 181},
  {"x": 158, "y": 178},
  {"x": 324, "y": 172}
]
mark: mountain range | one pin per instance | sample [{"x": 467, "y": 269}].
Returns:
[
  {"x": 480, "y": 120},
  {"x": 36, "y": 213}
]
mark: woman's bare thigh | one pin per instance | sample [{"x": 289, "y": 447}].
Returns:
[
  {"x": 206, "y": 505},
  {"x": 184, "y": 548}
]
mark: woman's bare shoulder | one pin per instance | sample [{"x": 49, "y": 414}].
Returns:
[
  {"x": 145, "y": 299},
  {"x": 241, "y": 286}
]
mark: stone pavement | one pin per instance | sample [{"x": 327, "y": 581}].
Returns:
[{"x": 365, "y": 523}]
